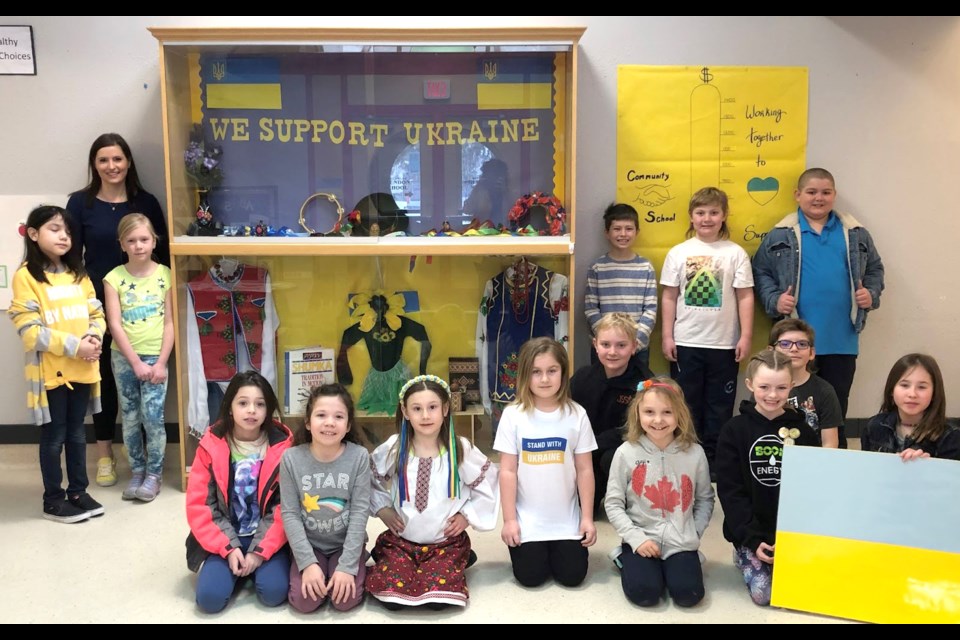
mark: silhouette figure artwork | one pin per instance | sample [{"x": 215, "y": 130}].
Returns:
[{"x": 384, "y": 329}]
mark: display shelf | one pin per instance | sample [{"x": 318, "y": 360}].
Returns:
[
  {"x": 410, "y": 121},
  {"x": 254, "y": 246}
]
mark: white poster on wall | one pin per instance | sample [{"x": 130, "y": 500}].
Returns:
[
  {"x": 17, "y": 57},
  {"x": 13, "y": 216}
]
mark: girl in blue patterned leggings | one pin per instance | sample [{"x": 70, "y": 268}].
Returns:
[{"x": 140, "y": 319}]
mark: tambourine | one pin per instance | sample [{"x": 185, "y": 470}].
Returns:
[{"x": 330, "y": 197}]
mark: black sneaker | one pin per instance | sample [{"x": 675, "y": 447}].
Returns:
[
  {"x": 86, "y": 503},
  {"x": 64, "y": 512}
]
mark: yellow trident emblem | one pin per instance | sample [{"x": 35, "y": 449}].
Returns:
[
  {"x": 490, "y": 70},
  {"x": 219, "y": 69}
]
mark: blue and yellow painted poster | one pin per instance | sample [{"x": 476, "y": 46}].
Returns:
[{"x": 869, "y": 537}]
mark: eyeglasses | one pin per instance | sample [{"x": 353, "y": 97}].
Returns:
[{"x": 801, "y": 345}]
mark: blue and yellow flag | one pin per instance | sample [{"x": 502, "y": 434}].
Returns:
[
  {"x": 242, "y": 83},
  {"x": 869, "y": 537}
]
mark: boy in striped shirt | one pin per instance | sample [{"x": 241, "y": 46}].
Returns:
[{"x": 623, "y": 281}]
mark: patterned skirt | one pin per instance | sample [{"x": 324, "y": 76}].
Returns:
[{"x": 413, "y": 574}]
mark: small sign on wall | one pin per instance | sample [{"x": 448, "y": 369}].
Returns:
[{"x": 17, "y": 57}]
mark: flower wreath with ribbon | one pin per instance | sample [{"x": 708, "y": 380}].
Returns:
[
  {"x": 403, "y": 450},
  {"x": 555, "y": 214},
  {"x": 359, "y": 305}
]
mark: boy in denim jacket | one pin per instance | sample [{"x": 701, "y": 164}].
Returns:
[{"x": 835, "y": 259}]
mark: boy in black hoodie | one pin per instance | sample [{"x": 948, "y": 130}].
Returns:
[
  {"x": 748, "y": 462},
  {"x": 605, "y": 388}
]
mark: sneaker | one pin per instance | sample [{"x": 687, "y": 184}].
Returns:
[
  {"x": 615, "y": 554},
  {"x": 106, "y": 472},
  {"x": 130, "y": 493},
  {"x": 64, "y": 512},
  {"x": 88, "y": 504},
  {"x": 150, "y": 488}
]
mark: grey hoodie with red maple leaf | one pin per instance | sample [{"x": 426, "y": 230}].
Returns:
[{"x": 660, "y": 495}]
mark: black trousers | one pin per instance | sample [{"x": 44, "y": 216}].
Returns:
[
  {"x": 535, "y": 562},
  {"x": 643, "y": 579},
  {"x": 838, "y": 370},
  {"x": 105, "y": 422},
  {"x": 708, "y": 378}
]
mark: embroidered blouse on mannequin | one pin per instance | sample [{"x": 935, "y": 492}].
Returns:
[
  {"x": 523, "y": 301},
  {"x": 235, "y": 330}
]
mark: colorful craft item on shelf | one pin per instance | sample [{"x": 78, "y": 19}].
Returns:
[
  {"x": 345, "y": 228},
  {"x": 477, "y": 228},
  {"x": 359, "y": 305},
  {"x": 335, "y": 228},
  {"x": 554, "y": 214},
  {"x": 260, "y": 229},
  {"x": 237, "y": 230}
]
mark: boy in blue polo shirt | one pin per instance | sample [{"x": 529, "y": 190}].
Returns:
[{"x": 833, "y": 256}]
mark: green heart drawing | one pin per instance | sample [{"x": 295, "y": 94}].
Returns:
[{"x": 763, "y": 190}]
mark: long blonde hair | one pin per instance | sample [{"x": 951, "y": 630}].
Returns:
[
  {"x": 528, "y": 353},
  {"x": 131, "y": 221},
  {"x": 685, "y": 434}
]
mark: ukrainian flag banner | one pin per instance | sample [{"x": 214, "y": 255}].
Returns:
[
  {"x": 867, "y": 536},
  {"x": 242, "y": 83}
]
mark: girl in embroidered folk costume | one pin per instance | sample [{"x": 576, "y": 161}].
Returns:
[
  {"x": 546, "y": 471},
  {"x": 60, "y": 321},
  {"x": 659, "y": 498},
  {"x": 140, "y": 316},
  {"x": 428, "y": 487},
  {"x": 233, "y": 498},
  {"x": 325, "y": 498}
]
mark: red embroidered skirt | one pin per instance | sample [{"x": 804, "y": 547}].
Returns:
[{"x": 413, "y": 574}]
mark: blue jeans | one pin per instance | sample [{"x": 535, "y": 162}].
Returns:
[
  {"x": 215, "y": 582},
  {"x": 141, "y": 403},
  {"x": 68, "y": 407}
]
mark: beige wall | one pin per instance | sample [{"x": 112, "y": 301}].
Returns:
[{"x": 884, "y": 94}]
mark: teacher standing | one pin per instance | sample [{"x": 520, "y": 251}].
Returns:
[{"x": 114, "y": 191}]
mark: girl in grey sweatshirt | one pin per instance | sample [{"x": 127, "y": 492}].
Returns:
[{"x": 659, "y": 498}]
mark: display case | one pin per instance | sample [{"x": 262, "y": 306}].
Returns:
[{"x": 343, "y": 203}]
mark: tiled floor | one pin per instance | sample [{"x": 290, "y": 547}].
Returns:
[{"x": 129, "y": 567}]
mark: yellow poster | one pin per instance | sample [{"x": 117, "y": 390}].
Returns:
[{"x": 679, "y": 129}]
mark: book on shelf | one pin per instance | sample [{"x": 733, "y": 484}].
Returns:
[{"x": 303, "y": 370}]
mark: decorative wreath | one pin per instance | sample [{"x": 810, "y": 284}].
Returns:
[{"x": 555, "y": 214}]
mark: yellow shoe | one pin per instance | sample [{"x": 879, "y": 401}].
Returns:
[{"x": 106, "y": 472}]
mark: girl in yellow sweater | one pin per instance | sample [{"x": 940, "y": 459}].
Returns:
[{"x": 61, "y": 323}]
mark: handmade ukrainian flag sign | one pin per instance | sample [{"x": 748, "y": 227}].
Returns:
[
  {"x": 242, "y": 83},
  {"x": 869, "y": 537}
]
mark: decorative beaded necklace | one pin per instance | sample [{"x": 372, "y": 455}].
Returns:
[{"x": 228, "y": 279}]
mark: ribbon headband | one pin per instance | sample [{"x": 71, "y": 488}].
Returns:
[
  {"x": 432, "y": 378},
  {"x": 646, "y": 384}
]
